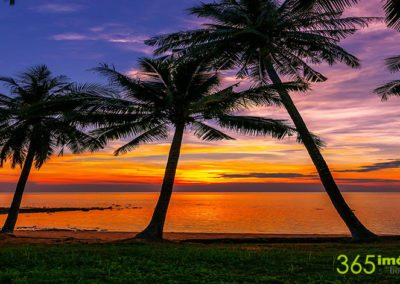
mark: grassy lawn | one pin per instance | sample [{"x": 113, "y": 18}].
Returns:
[{"x": 187, "y": 263}]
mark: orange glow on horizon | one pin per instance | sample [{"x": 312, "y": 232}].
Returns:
[{"x": 199, "y": 164}]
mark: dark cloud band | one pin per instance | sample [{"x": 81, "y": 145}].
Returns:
[
  {"x": 265, "y": 175},
  {"x": 393, "y": 164}
]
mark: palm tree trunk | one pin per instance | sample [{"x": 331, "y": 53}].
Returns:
[
  {"x": 12, "y": 216},
  {"x": 358, "y": 231},
  {"x": 156, "y": 227}
]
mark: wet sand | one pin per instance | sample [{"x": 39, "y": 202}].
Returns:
[
  {"x": 53, "y": 237},
  {"x": 95, "y": 237}
]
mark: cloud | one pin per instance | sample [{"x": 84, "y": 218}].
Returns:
[
  {"x": 135, "y": 73},
  {"x": 265, "y": 175},
  {"x": 111, "y": 33},
  {"x": 393, "y": 164},
  {"x": 70, "y": 37},
  {"x": 58, "y": 8},
  {"x": 367, "y": 180},
  {"x": 311, "y": 176},
  {"x": 114, "y": 38}
]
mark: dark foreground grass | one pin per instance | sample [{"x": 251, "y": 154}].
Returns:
[{"x": 187, "y": 263}]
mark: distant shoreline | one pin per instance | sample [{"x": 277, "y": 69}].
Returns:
[
  {"x": 215, "y": 187},
  {"x": 200, "y": 191}
]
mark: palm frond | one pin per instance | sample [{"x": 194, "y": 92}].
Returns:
[
  {"x": 157, "y": 69},
  {"x": 193, "y": 76},
  {"x": 257, "y": 126},
  {"x": 148, "y": 91},
  {"x": 218, "y": 102},
  {"x": 9, "y": 82},
  {"x": 159, "y": 132},
  {"x": 389, "y": 89},
  {"x": 208, "y": 133},
  {"x": 393, "y": 63},
  {"x": 14, "y": 147},
  {"x": 126, "y": 128},
  {"x": 268, "y": 95},
  {"x": 392, "y": 10},
  {"x": 320, "y": 5},
  {"x": 43, "y": 145}
]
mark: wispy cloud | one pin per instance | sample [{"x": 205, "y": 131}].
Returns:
[
  {"x": 58, "y": 8},
  {"x": 135, "y": 73},
  {"x": 115, "y": 34},
  {"x": 366, "y": 180},
  {"x": 70, "y": 36},
  {"x": 298, "y": 176},
  {"x": 393, "y": 164},
  {"x": 115, "y": 38}
]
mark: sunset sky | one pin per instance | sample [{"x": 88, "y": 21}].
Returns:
[{"x": 362, "y": 133}]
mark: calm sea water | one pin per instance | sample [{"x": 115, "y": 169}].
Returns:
[{"x": 281, "y": 213}]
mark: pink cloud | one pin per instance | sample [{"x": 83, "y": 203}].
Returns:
[
  {"x": 69, "y": 37},
  {"x": 58, "y": 8},
  {"x": 109, "y": 33}
]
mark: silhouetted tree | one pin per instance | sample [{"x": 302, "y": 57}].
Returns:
[
  {"x": 36, "y": 119},
  {"x": 181, "y": 95},
  {"x": 268, "y": 41}
]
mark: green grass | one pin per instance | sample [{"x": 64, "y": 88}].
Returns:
[{"x": 187, "y": 263}]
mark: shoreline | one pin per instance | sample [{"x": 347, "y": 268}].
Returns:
[
  {"x": 94, "y": 237},
  {"x": 33, "y": 210},
  {"x": 59, "y": 237}
]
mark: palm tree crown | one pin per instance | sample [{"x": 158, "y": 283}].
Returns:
[
  {"x": 182, "y": 92},
  {"x": 38, "y": 115},
  {"x": 38, "y": 118},
  {"x": 250, "y": 33}
]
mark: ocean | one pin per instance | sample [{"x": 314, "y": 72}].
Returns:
[{"x": 271, "y": 213}]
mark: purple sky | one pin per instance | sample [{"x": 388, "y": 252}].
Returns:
[{"x": 361, "y": 131}]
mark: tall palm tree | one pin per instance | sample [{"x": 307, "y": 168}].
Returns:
[
  {"x": 391, "y": 88},
  {"x": 268, "y": 41},
  {"x": 180, "y": 95},
  {"x": 36, "y": 119}
]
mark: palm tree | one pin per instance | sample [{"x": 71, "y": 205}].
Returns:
[
  {"x": 180, "y": 95},
  {"x": 268, "y": 41},
  {"x": 36, "y": 119},
  {"x": 391, "y": 88}
]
